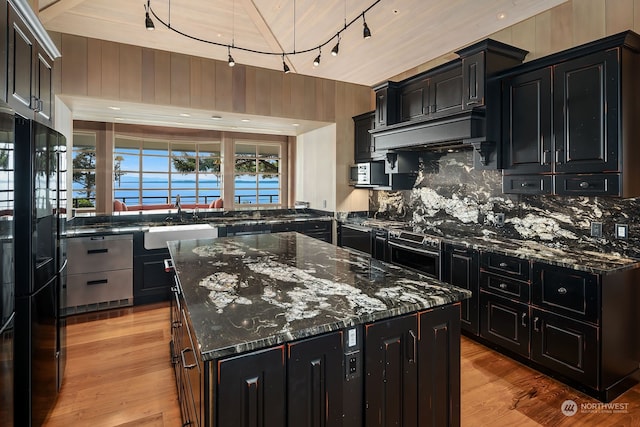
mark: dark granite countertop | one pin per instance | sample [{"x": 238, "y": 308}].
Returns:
[
  {"x": 555, "y": 254},
  {"x": 250, "y": 292},
  {"x": 140, "y": 222}
]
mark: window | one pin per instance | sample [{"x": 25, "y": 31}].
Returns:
[
  {"x": 84, "y": 170},
  {"x": 153, "y": 171},
  {"x": 257, "y": 174}
]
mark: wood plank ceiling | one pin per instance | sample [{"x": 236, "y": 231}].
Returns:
[{"x": 406, "y": 33}]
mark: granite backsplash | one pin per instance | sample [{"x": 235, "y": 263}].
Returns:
[{"x": 451, "y": 197}]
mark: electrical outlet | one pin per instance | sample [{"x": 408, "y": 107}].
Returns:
[
  {"x": 622, "y": 231},
  {"x": 499, "y": 219},
  {"x": 596, "y": 229}
]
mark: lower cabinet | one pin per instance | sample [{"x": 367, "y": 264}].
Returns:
[
  {"x": 579, "y": 327},
  {"x": 460, "y": 267},
  {"x": 399, "y": 372},
  {"x": 252, "y": 390},
  {"x": 413, "y": 369},
  {"x": 151, "y": 283}
]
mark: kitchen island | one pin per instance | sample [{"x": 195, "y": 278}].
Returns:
[{"x": 283, "y": 329}]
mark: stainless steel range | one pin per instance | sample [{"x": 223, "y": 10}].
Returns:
[{"x": 417, "y": 251}]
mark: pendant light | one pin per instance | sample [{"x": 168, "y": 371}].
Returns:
[
  {"x": 147, "y": 19},
  {"x": 316, "y": 61},
  {"x": 366, "y": 32}
]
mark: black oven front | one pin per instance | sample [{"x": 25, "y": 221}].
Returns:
[{"x": 425, "y": 260}]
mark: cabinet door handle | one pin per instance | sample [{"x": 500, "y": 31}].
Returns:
[
  {"x": 168, "y": 265},
  {"x": 546, "y": 157},
  {"x": 97, "y": 282},
  {"x": 559, "y": 155},
  {"x": 562, "y": 290},
  {"x": 414, "y": 345},
  {"x": 584, "y": 184},
  {"x": 184, "y": 361},
  {"x": 524, "y": 320},
  {"x": 502, "y": 286},
  {"x": 503, "y": 264},
  {"x": 535, "y": 324}
]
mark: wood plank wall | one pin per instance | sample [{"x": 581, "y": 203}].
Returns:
[{"x": 570, "y": 24}]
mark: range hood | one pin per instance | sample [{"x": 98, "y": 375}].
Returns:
[{"x": 465, "y": 128}]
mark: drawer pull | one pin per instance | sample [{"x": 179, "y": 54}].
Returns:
[
  {"x": 503, "y": 264},
  {"x": 524, "y": 184},
  {"x": 584, "y": 184},
  {"x": 535, "y": 324},
  {"x": 524, "y": 319},
  {"x": 97, "y": 282},
  {"x": 184, "y": 361},
  {"x": 502, "y": 286},
  {"x": 562, "y": 290},
  {"x": 97, "y": 251}
]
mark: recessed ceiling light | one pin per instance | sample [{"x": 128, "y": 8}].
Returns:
[
  {"x": 245, "y": 120},
  {"x": 216, "y": 117},
  {"x": 295, "y": 124},
  {"x": 185, "y": 115},
  {"x": 114, "y": 108},
  {"x": 501, "y": 15}
]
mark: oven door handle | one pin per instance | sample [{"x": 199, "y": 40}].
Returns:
[
  {"x": 357, "y": 227},
  {"x": 409, "y": 248}
]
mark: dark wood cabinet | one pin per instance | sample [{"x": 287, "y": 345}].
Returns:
[
  {"x": 436, "y": 94},
  {"x": 526, "y": 120},
  {"x": 439, "y": 367},
  {"x": 4, "y": 32},
  {"x": 565, "y": 117},
  {"x": 387, "y": 104},
  {"x": 460, "y": 267},
  {"x": 314, "y": 381},
  {"x": 151, "y": 283},
  {"x": 473, "y": 80},
  {"x": 505, "y": 323},
  {"x": 252, "y": 389},
  {"x": 363, "y": 142},
  {"x": 585, "y": 93},
  {"x": 391, "y": 381},
  {"x": 29, "y": 77},
  {"x": 580, "y": 327},
  {"x": 565, "y": 346}
]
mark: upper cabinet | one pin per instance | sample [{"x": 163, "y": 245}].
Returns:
[
  {"x": 29, "y": 69},
  {"x": 570, "y": 121},
  {"x": 363, "y": 148}
]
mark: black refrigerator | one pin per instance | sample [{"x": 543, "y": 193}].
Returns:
[
  {"x": 39, "y": 262},
  {"x": 7, "y": 277}
]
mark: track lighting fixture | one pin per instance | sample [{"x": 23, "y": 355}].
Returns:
[
  {"x": 336, "y": 48},
  {"x": 366, "y": 32},
  {"x": 231, "y": 61},
  {"x": 147, "y": 19}
]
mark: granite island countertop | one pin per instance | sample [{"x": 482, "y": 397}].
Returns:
[{"x": 250, "y": 292}]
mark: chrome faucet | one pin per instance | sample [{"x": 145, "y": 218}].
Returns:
[{"x": 179, "y": 207}]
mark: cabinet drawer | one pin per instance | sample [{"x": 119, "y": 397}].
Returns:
[
  {"x": 505, "y": 265},
  {"x": 565, "y": 291},
  {"x": 506, "y": 287},
  {"x": 527, "y": 184},
  {"x": 566, "y": 346},
  {"x": 100, "y": 253},
  {"x": 95, "y": 288},
  {"x": 591, "y": 185},
  {"x": 505, "y": 322}
]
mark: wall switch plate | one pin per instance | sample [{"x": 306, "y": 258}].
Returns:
[
  {"x": 499, "y": 219},
  {"x": 596, "y": 229},
  {"x": 622, "y": 231}
]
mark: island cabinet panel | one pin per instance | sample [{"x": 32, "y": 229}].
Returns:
[
  {"x": 391, "y": 388},
  {"x": 460, "y": 267},
  {"x": 252, "y": 390},
  {"x": 151, "y": 283},
  {"x": 314, "y": 381},
  {"x": 439, "y": 371}
]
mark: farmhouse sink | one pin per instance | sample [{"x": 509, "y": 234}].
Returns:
[{"x": 157, "y": 237}]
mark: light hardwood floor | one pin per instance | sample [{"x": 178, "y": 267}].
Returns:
[{"x": 118, "y": 374}]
